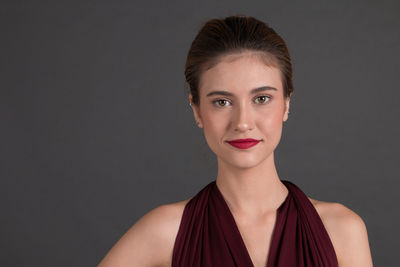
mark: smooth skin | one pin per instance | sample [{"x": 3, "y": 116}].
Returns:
[{"x": 248, "y": 179}]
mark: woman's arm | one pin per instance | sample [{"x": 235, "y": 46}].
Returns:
[{"x": 149, "y": 242}]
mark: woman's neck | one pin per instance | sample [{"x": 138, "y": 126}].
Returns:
[{"x": 251, "y": 192}]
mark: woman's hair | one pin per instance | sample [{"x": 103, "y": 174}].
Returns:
[{"x": 233, "y": 35}]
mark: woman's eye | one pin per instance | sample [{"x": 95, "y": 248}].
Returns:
[
  {"x": 220, "y": 102},
  {"x": 264, "y": 98}
]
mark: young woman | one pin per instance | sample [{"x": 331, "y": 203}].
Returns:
[{"x": 240, "y": 78}]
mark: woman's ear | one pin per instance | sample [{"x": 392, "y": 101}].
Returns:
[
  {"x": 287, "y": 105},
  {"x": 196, "y": 111}
]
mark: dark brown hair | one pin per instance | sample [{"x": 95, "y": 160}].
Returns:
[{"x": 236, "y": 34}]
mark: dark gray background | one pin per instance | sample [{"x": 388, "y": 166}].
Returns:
[{"x": 96, "y": 129}]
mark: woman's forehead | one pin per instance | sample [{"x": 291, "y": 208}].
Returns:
[
  {"x": 245, "y": 71},
  {"x": 266, "y": 58}
]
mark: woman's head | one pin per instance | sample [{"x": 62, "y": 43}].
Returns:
[
  {"x": 235, "y": 35},
  {"x": 239, "y": 72}
]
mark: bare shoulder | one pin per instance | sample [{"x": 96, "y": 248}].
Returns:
[
  {"x": 347, "y": 232},
  {"x": 150, "y": 241}
]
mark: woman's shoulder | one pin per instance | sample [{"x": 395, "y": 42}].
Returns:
[
  {"x": 169, "y": 213},
  {"x": 150, "y": 241},
  {"x": 347, "y": 232},
  {"x": 163, "y": 220},
  {"x": 334, "y": 212}
]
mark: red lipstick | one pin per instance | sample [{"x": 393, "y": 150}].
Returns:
[{"x": 243, "y": 143}]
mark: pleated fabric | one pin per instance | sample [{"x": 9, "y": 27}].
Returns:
[{"x": 208, "y": 234}]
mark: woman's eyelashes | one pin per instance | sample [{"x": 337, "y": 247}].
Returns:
[{"x": 220, "y": 102}]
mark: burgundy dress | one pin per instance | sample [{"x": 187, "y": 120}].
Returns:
[{"x": 208, "y": 234}]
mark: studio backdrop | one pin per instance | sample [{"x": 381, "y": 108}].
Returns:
[{"x": 96, "y": 127}]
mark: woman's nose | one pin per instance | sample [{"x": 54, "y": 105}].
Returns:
[{"x": 243, "y": 118}]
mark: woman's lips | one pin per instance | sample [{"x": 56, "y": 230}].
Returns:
[{"x": 243, "y": 143}]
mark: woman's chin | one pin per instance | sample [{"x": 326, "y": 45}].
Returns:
[{"x": 242, "y": 162}]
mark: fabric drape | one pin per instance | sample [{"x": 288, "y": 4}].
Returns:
[{"x": 208, "y": 234}]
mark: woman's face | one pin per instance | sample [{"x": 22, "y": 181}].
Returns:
[{"x": 241, "y": 97}]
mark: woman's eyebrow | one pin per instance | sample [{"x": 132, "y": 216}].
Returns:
[{"x": 253, "y": 91}]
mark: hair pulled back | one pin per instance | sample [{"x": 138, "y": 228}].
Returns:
[{"x": 235, "y": 34}]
